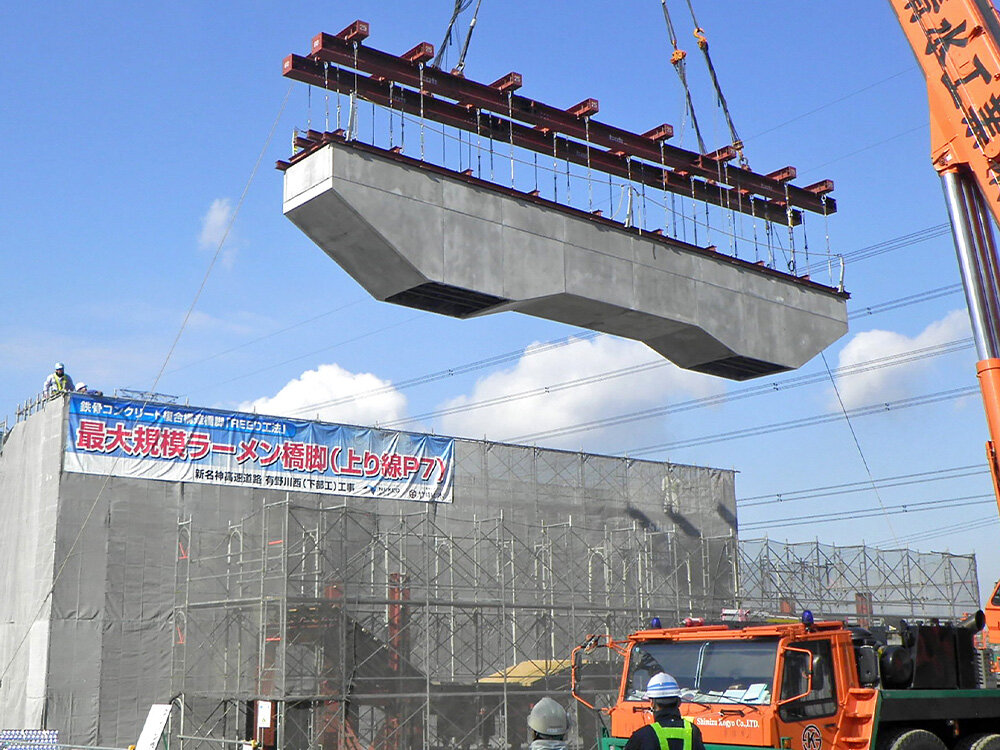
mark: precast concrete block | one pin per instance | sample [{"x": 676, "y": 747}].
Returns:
[
  {"x": 533, "y": 266},
  {"x": 473, "y": 253},
  {"x": 419, "y": 235}
]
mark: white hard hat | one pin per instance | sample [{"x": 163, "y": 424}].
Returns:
[
  {"x": 60, "y": 366},
  {"x": 662, "y": 685},
  {"x": 548, "y": 717},
  {"x": 81, "y": 386}
]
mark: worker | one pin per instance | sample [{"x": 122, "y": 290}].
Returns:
[
  {"x": 548, "y": 724},
  {"x": 669, "y": 730},
  {"x": 58, "y": 382},
  {"x": 83, "y": 389}
]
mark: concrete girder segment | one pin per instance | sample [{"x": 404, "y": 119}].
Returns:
[{"x": 424, "y": 237}]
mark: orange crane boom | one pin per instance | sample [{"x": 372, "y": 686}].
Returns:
[{"x": 957, "y": 44}]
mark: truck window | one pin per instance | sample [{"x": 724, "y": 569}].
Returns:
[
  {"x": 822, "y": 701},
  {"x": 729, "y": 671}
]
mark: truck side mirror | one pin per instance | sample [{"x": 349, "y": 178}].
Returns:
[{"x": 797, "y": 664}]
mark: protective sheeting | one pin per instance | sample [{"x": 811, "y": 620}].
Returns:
[
  {"x": 29, "y": 492},
  {"x": 116, "y": 622}
]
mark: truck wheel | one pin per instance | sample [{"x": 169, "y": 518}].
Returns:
[
  {"x": 979, "y": 742},
  {"x": 915, "y": 739}
]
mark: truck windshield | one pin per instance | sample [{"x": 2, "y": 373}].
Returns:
[{"x": 707, "y": 671}]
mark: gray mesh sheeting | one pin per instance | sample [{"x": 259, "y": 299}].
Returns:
[
  {"x": 847, "y": 580},
  {"x": 116, "y": 618}
]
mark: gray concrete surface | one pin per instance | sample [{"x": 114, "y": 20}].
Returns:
[{"x": 411, "y": 235}]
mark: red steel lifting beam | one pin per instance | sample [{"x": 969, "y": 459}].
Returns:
[
  {"x": 345, "y": 50},
  {"x": 385, "y": 93}
]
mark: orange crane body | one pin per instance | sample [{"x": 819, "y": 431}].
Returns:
[{"x": 957, "y": 44}]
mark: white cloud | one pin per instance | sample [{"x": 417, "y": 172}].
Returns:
[
  {"x": 557, "y": 407},
  {"x": 892, "y": 382},
  {"x": 214, "y": 225},
  {"x": 318, "y": 393}
]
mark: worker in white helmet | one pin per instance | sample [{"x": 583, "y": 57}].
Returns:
[
  {"x": 669, "y": 730},
  {"x": 58, "y": 382},
  {"x": 548, "y": 724}
]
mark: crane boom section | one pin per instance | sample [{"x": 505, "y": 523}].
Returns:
[{"x": 956, "y": 44}]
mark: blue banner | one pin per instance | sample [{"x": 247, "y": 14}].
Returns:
[{"x": 156, "y": 441}]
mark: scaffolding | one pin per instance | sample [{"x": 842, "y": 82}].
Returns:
[
  {"x": 858, "y": 581},
  {"x": 416, "y": 629},
  {"x": 410, "y": 630}
]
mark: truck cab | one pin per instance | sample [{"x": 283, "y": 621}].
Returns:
[
  {"x": 811, "y": 686},
  {"x": 766, "y": 686}
]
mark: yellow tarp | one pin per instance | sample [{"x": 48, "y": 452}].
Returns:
[{"x": 527, "y": 673}]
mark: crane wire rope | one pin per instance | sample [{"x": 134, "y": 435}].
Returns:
[
  {"x": 468, "y": 37},
  {"x": 460, "y": 6},
  {"x": 699, "y": 34},
  {"x": 680, "y": 67},
  {"x": 173, "y": 345},
  {"x": 857, "y": 444}
]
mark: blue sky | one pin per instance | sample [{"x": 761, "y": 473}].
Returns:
[{"x": 132, "y": 131}]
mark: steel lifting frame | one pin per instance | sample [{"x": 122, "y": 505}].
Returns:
[{"x": 341, "y": 63}]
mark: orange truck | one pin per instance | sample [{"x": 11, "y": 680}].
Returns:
[{"x": 810, "y": 686}]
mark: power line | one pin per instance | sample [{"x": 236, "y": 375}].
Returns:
[
  {"x": 894, "y": 243},
  {"x": 480, "y": 364},
  {"x": 861, "y": 150},
  {"x": 350, "y": 340},
  {"x": 631, "y": 370},
  {"x": 831, "y": 490},
  {"x": 847, "y": 515},
  {"x": 889, "y": 245},
  {"x": 962, "y": 526},
  {"x": 862, "y": 411},
  {"x": 829, "y": 104},
  {"x": 541, "y": 390},
  {"x": 754, "y": 390},
  {"x": 913, "y": 299},
  {"x": 287, "y": 328}
]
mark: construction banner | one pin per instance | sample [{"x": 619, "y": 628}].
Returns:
[{"x": 128, "y": 438}]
